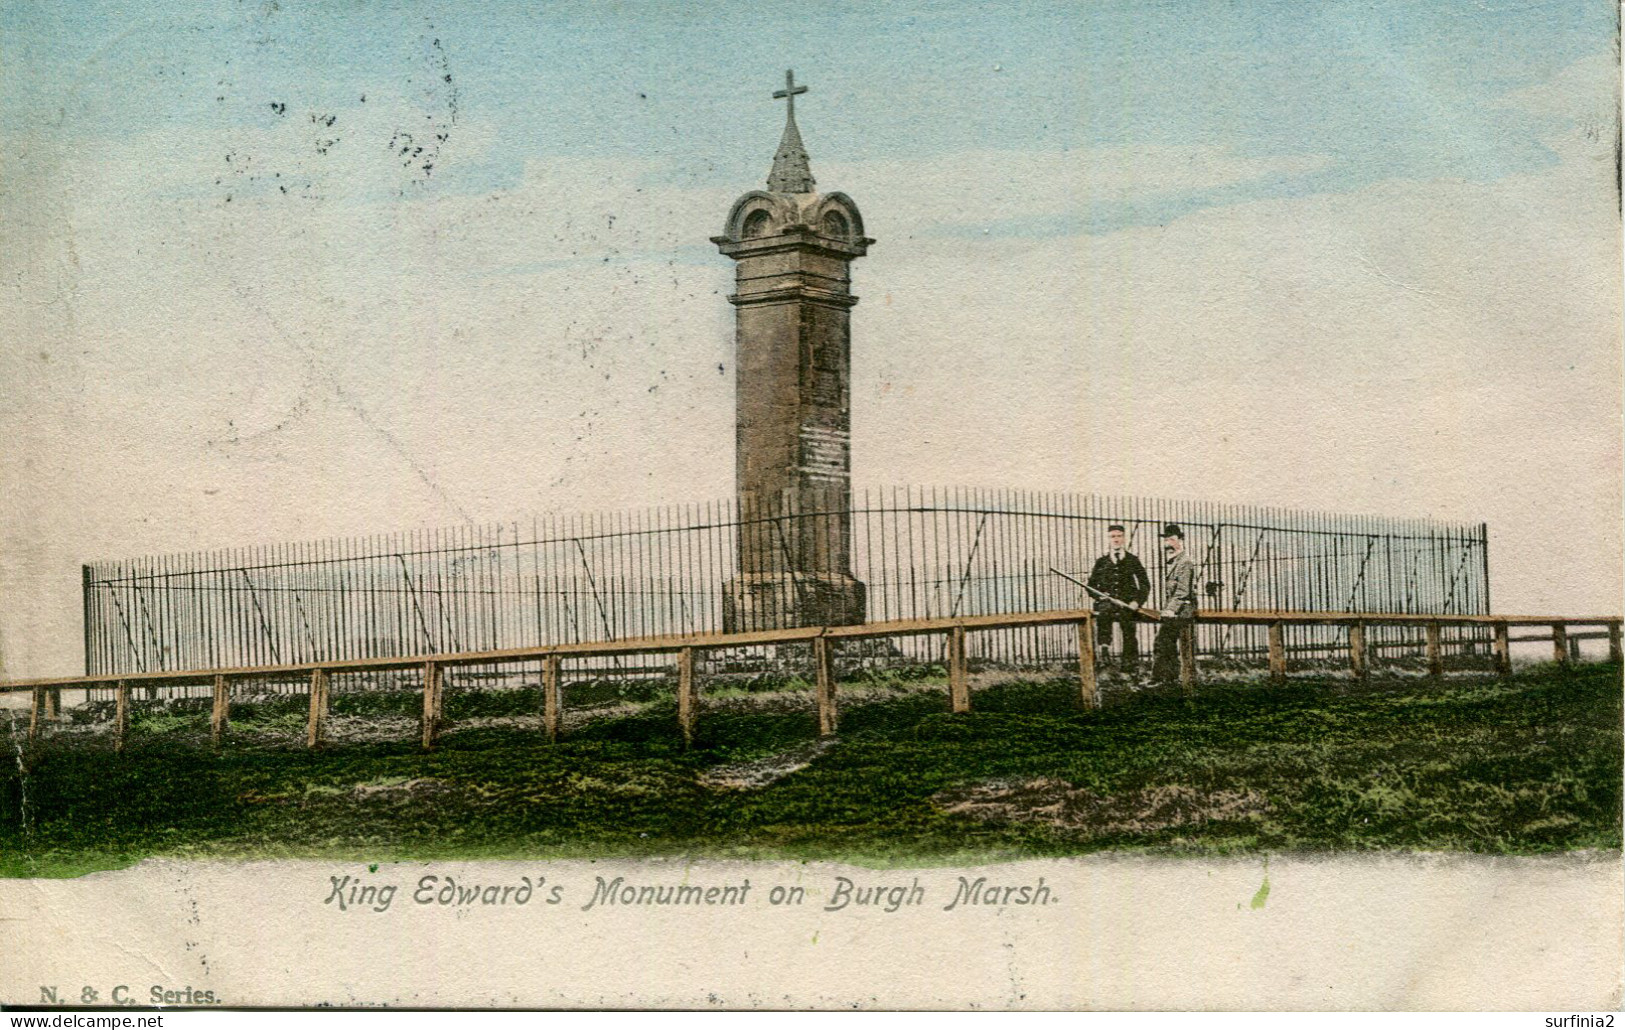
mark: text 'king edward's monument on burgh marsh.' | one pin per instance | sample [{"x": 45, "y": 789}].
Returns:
[{"x": 793, "y": 247}]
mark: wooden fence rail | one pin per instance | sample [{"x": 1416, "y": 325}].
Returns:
[{"x": 46, "y": 697}]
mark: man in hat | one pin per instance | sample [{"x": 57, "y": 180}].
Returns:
[
  {"x": 1178, "y": 605},
  {"x": 1120, "y": 574}
]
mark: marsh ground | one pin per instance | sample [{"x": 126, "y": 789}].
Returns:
[{"x": 1527, "y": 765}]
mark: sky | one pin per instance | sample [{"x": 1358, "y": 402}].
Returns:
[{"x": 273, "y": 271}]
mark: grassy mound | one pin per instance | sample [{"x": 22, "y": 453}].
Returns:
[{"x": 1528, "y": 765}]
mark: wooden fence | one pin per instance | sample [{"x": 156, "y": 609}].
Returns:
[{"x": 46, "y": 699}]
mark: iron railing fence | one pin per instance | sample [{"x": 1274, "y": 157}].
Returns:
[{"x": 919, "y": 553}]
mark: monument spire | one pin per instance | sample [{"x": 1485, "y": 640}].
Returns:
[{"x": 791, "y": 173}]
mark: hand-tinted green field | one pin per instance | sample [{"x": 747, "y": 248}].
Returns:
[{"x": 1528, "y": 765}]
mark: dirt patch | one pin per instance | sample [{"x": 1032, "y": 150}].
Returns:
[
  {"x": 765, "y": 702},
  {"x": 402, "y": 788},
  {"x": 1138, "y": 811},
  {"x": 762, "y": 771},
  {"x": 377, "y": 729}
]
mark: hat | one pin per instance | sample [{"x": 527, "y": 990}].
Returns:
[
  {"x": 1172, "y": 530},
  {"x": 1115, "y": 526}
]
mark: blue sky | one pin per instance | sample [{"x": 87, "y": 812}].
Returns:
[{"x": 1380, "y": 90}]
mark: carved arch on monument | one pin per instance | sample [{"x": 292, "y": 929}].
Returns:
[
  {"x": 836, "y": 216},
  {"x": 758, "y": 214}
]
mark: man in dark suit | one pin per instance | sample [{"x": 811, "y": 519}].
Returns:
[{"x": 1120, "y": 574}]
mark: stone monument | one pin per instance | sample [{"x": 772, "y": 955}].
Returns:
[{"x": 793, "y": 247}]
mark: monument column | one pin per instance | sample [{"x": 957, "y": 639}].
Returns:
[{"x": 793, "y": 247}]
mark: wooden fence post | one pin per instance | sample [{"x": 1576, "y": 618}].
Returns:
[
  {"x": 318, "y": 708},
  {"x": 1359, "y": 661},
  {"x": 1435, "y": 652},
  {"x": 220, "y": 714},
  {"x": 552, "y": 698},
  {"x": 1613, "y": 643},
  {"x": 1187, "y": 659},
  {"x": 121, "y": 714},
  {"x": 1560, "y": 644},
  {"x": 1502, "y": 649},
  {"x": 36, "y": 711},
  {"x": 53, "y": 704},
  {"x": 688, "y": 695},
  {"x": 824, "y": 686},
  {"x": 958, "y": 673},
  {"x": 431, "y": 704},
  {"x": 1088, "y": 687},
  {"x": 1277, "y": 652}
]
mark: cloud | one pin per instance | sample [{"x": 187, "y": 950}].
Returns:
[
  {"x": 1026, "y": 193},
  {"x": 1585, "y": 92}
]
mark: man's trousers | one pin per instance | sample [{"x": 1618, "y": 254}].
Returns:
[
  {"x": 1165, "y": 652},
  {"x": 1105, "y": 619}
]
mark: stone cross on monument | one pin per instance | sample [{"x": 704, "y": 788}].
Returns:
[
  {"x": 793, "y": 248},
  {"x": 789, "y": 92}
]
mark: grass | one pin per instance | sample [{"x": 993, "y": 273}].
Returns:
[{"x": 1529, "y": 765}]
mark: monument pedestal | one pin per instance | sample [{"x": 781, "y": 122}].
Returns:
[{"x": 784, "y": 600}]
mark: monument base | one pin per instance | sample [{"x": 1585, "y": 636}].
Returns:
[{"x": 785, "y": 600}]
